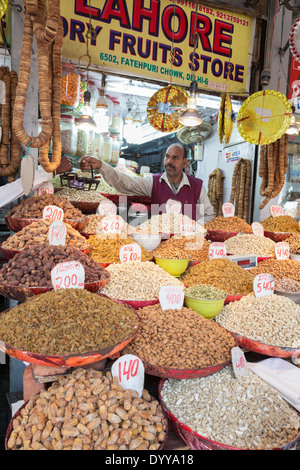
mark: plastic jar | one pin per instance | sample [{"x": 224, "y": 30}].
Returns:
[
  {"x": 68, "y": 135},
  {"x": 117, "y": 122},
  {"x": 82, "y": 143},
  {"x": 70, "y": 84},
  {"x": 82, "y": 89},
  {"x": 90, "y": 142},
  {"x": 97, "y": 145},
  {"x": 115, "y": 151},
  {"x": 91, "y": 87},
  {"x": 106, "y": 146}
]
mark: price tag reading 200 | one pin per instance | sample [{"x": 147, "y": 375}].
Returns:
[
  {"x": 130, "y": 372},
  {"x": 171, "y": 297},
  {"x": 53, "y": 213},
  {"x": 68, "y": 275},
  {"x": 263, "y": 284}
]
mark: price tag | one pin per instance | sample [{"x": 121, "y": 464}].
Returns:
[
  {"x": 171, "y": 297},
  {"x": 112, "y": 224},
  {"x": 68, "y": 275},
  {"x": 282, "y": 250},
  {"x": 53, "y": 213},
  {"x": 44, "y": 188},
  {"x": 106, "y": 208},
  {"x": 130, "y": 252},
  {"x": 238, "y": 362},
  {"x": 276, "y": 211},
  {"x": 57, "y": 233},
  {"x": 217, "y": 250},
  {"x": 228, "y": 209},
  {"x": 257, "y": 229},
  {"x": 130, "y": 371},
  {"x": 263, "y": 284},
  {"x": 173, "y": 207},
  {"x": 187, "y": 228}
]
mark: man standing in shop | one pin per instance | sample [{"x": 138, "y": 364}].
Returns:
[{"x": 173, "y": 184}]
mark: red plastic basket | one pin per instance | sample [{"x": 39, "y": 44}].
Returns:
[
  {"x": 264, "y": 349},
  {"x": 219, "y": 235},
  {"x": 277, "y": 236}
]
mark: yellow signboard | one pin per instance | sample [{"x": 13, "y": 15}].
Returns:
[{"x": 136, "y": 37}]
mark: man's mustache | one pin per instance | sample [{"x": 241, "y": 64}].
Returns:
[{"x": 170, "y": 166}]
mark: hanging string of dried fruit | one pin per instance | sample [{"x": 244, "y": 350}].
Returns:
[
  {"x": 10, "y": 149},
  {"x": 240, "y": 187},
  {"x": 273, "y": 165},
  {"x": 215, "y": 190},
  {"x": 42, "y": 21}
]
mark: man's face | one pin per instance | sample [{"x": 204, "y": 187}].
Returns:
[{"x": 174, "y": 161}]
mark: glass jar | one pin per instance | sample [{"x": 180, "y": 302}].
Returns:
[
  {"x": 116, "y": 123},
  {"x": 90, "y": 143},
  {"x": 91, "y": 87},
  {"x": 97, "y": 145},
  {"x": 82, "y": 89},
  {"x": 115, "y": 151},
  {"x": 68, "y": 135},
  {"x": 70, "y": 84},
  {"x": 82, "y": 143},
  {"x": 105, "y": 147}
]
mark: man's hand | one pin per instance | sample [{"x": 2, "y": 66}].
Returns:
[
  {"x": 87, "y": 162},
  {"x": 65, "y": 165}
]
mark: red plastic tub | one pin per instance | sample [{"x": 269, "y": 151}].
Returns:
[{"x": 264, "y": 349}]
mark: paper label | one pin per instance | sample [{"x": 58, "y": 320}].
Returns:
[
  {"x": 282, "y": 250},
  {"x": 106, "y": 208},
  {"x": 57, "y": 233},
  {"x": 27, "y": 170},
  {"x": 53, "y": 213},
  {"x": 44, "y": 188},
  {"x": 238, "y": 362},
  {"x": 263, "y": 284},
  {"x": 275, "y": 211},
  {"x": 173, "y": 207},
  {"x": 112, "y": 224},
  {"x": 187, "y": 228},
  {"x": 228, "y": 209},
  {"x": 130, "y": 252},
  {"x": 130, "y": 371},
  {"x": 217, "y": 250},
  {"x": 171, "y": 297},
  {"x": 68, "y": 275},
  {"x": 257, "y": 229}
]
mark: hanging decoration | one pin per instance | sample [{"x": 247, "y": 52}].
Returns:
[
  {"x": 295, "y": 39},
  {"x": 225, "y": 119},
  {"x": 264, "y": 117},
  {"x": 215, "y": 190},
  {"x": 3, "y": 7},
  {"x": 240, "y": 188}
]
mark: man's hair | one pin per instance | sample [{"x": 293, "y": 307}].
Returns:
[{"x": 179, "y": 144}]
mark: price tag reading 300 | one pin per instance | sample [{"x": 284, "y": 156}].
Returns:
[
  {"x": 68, "y": 275},
  {"x": 263, "y": 284}
]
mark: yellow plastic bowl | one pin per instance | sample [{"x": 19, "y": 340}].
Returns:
[
  {"x": 206, "y": 308},
  {"x": 175, "y": 267}
]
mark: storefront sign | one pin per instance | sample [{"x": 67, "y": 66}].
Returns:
[{"x": 136, "y": 37}]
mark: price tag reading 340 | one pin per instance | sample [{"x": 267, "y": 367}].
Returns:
[
  {"x": 217, "y": 250},
  {"x": 112, "y": 224},
  {"x": 130, "y": 252},
  {"x": 171, "y": 297},
  {"x": 228, "y": 209},
  {"x": 130, "y": 371},
  {"x": 106, "y": 208},
  {"x": 188, "y": 228},
  {"x": 57, "y": 233},
  {"x": 68, "y": 275},
  {"x": 282, "y": 250},
  {"x": 53, "y": 213},
  {"x": 263, "y": 284}
]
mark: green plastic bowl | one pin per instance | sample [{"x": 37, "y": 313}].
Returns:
[
  {"x": 206, "y": 308},
  {"x": 175, "y": 267}
]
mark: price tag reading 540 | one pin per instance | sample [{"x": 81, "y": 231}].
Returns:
[{"x": 263, "y": 285}]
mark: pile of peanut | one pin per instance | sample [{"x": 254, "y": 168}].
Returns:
[
  {"x": 278, "y": 268},
  {"x": 281, "y": 223},
  {"x": 228, "y": 224},
  {"x": 272, "y": 319},
  {"x": 179, "y": 339},
  {"x": 137, "y": 281},
  {"x": 244, "y": 244},
  {"x": 253, "y": 415},
  {"x": 89, "y": 410},
  {"x": 32, "y": 266},
  {"x": 179, "y": 248},
  {"x": 78, "y": 195},
  {"x": 67, "y": 321},
  {"x": 221, "y": 273},
  {"x": 287, "y": 285},
  {"x": 294, "y": 243},
  {"x": 37, "y": 233},
  {"x": 106, "y": 249},
  {"x": 33, "y": 207}
]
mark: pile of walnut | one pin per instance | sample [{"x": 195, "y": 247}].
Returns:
[{"x": 88, "y": 410}]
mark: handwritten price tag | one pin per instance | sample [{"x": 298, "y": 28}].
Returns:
[
  {"x": 257, "y": 229},
  {"x": 53, "y": 213},
  {"x": 68, "y": 275},
  {"x": 57, "y": 233},
  {"x": 106, "y": 208},
  {"x": 275, "y": 211},
  {"x": 228, "y": 209},
  {"x": 130, "y": 252},
  {"x": 282, "y": 250},
  {"x": 188, "y": 228},
  {"x": 238, "y": 362},
  {"x": 171, "y": 297},
  {"x": 263, "y": 284},
  {"x": 130, "y": 371},
  {"x": 173, "y": 207},
  {"x": 112, "y": 224},
  {"x": 45, "y": 188},
  {"x": 217, "y": 250}
]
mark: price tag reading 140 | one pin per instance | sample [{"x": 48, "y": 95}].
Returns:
[
  {"x": 217, "y": 250},
  {"x": 130, "y": 372},
  {"x": 68, "y": 275},
  {"x": 130, "y": 252},
  {"x": 171, "y": 297},
  {"x": 263, "y": 284}
]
